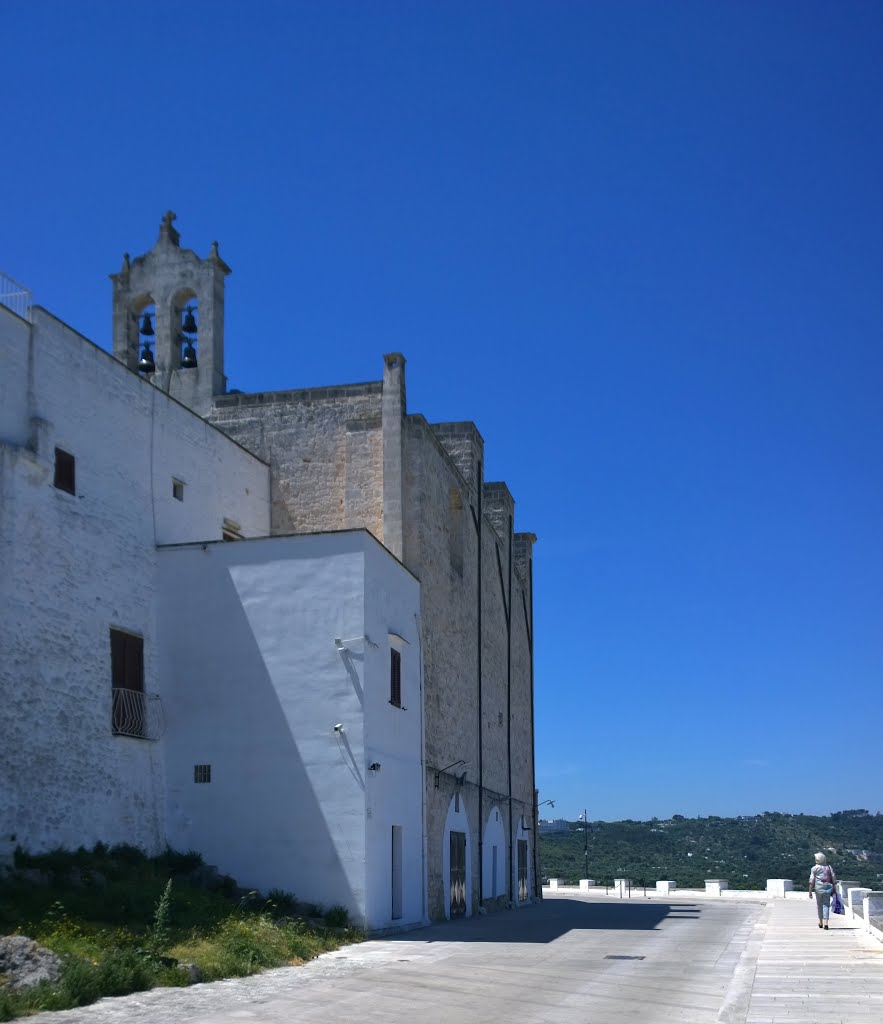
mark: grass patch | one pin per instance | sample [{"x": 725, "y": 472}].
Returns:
[{"x": 123, "y": 922}]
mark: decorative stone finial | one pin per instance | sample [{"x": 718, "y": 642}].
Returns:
[
  {"x": 215, "y": 257},
  {"x": 124, "y": 270}
]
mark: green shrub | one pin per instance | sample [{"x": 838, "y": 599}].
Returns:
[
  {"x": 281, "y": 902},
  {"x": 124, "y": 934},
  {"x": 337, "y": 917}
]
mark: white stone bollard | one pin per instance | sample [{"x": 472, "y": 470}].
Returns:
[
  {"x": 622, "y": 886},
  {"x": 554, "y": 883},
  {"x": 715, "y": 886},
  {"x": 664, "y": 888},
  {"x": 855, "y": 898},
  {"x": 873, "y": 907},
  {"x": 777, "y": 887},
  {"x": 585, "y": 884}
]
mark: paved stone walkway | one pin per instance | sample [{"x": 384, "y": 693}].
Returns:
[
  {"x": 802, "y": 975},
  {"x": 569, "y": 960}
]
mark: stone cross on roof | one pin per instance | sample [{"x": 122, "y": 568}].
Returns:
[{"x": 167, "y": 230}]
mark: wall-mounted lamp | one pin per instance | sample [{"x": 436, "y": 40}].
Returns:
[
  {"x": 343, "y": 645},
  {"x": 455, "y": 764},
  {"x": 338, "y": 728},
  {"x": 375, "y": 767},
  {"x": 551, "y": 803}
]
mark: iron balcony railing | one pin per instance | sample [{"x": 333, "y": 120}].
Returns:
[
  {"x": 137, "y": 714},
  {"x": 15, "y": 297}
]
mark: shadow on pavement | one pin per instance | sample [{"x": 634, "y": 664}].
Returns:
[{"x": 549, "y": 920}]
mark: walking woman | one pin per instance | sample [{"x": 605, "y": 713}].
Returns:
[{"x": 821, "y": 885}]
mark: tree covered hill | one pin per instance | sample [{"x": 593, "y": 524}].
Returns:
[{"x": 746, "y": 850}]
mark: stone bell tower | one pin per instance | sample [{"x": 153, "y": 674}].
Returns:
[{"x": 168, "y": 318}]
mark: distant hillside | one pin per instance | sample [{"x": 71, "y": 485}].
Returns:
[{"x": 746, "y": 851}]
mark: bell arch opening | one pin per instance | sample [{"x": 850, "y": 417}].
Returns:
[
  {"x": 141, "y": 332},
  {"x": 185, "y": 320}
]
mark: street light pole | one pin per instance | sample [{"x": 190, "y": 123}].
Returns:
[{"x": 585, "y": 820}]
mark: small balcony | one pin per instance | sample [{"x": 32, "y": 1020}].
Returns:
[{"x": 136, "y": 714}]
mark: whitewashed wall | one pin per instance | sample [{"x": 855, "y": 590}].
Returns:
[
  {"x": 494, "y": 836},
  {"x": 73, "y": 566},
  {"x": 14, "y": 336},
  {"x": 254, "y": 685},
  {"x": 393, "y": 739}
]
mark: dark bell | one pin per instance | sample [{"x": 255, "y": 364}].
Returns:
[
  {"x": 146, "y": 325},
  {"x": 188, "y": 360},
  {"x": 189, "y": 325},
  {"x": 146, "y": 363}
]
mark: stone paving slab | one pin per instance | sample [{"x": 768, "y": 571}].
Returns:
[
  {"x": 804, "y": 974},
  {"x": 718, "y": 962}
]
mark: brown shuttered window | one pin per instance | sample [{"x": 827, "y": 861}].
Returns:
[
  {"x": 395, "y": 678},
  {"x": 126, "y": 661},
  {"x": 65, "y": 472},
  {"x": 129, "y": 714}
]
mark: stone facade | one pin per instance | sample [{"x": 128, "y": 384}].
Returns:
[{"x": 350, "y": 456}]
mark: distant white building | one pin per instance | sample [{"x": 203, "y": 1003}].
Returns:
[{"x": 550, "y": 826}]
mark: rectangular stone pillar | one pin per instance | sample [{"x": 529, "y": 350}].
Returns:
[
  {"x": 855, "y": 899},
  {"x": 392, "y": 414},
  {"x": 715, "y": 886},
  {"x": 664, "y": 888},
  {"x": 872, "y": 905},
  {"x": 777, "y": 887},
  {"x": 585, "y": 884},
  {"x": 554, "y": 883}
]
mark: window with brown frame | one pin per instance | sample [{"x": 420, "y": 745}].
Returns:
[{"x": 127, "y": 682}]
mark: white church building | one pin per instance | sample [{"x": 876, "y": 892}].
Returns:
[
  {"x": 160, "y": 685},
  {"x": 292, "y": 631}
]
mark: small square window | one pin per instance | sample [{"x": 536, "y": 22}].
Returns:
[
  {"x": 178, "y": 490},
  {"x": 65, "y": 471},
  {"x": 202, "y": 773}
]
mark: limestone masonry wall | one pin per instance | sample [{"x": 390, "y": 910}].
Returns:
[{"x": 326, "y": 449}]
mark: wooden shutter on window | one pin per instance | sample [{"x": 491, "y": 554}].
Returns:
[
  {"x": 126, "y": 661},
  {"x": 65, "y": 471}
]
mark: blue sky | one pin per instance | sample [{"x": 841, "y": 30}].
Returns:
[{"x": 639, "y": 244}]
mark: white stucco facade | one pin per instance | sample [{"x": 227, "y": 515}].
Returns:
[
  {"x": 75, "y": 565},
  {"x": 291, "y": 722},
  {"x": 494, "y": 855}
]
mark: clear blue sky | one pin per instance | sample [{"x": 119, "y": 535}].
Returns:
[{"x": 639, "y": 244}]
